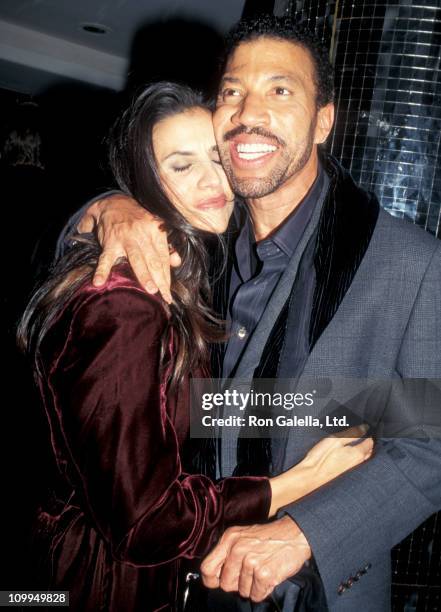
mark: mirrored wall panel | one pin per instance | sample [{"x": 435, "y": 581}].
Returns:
[{"x": 388, "y": 85}]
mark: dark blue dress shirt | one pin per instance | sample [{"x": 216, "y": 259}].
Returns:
[{"x": 257, "y": 269}]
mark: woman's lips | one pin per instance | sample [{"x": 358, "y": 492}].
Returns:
[{"x": 215, "y": 202}]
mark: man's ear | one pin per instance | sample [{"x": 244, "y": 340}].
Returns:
[{"x": 325, "y": 121}]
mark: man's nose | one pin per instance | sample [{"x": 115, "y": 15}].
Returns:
[{"x": 251, "y": 112}]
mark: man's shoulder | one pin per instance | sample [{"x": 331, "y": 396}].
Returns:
[
  {"x": 401, "y": 238},
  {"x": 405, "y": 228},
  {"x": 390, "y": 233}
]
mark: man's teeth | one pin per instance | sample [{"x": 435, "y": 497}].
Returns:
[
  {"x": 254, "y": 151},
  {"x": 255, "y": 148}
]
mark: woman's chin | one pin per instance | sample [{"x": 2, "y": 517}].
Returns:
[
  {"x": 216, "y": 224},
  {"x": 214, "y": 229}
]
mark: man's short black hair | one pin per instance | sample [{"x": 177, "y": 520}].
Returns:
[{"x": 285, "y": 28}]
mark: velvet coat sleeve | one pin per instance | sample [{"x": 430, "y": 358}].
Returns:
[{"x": 119, "y": 447}]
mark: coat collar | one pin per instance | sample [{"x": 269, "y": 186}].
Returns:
[{"x": 346, "y": 225}]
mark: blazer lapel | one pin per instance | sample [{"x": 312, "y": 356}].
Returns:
[
  {"x": 346, "y": 225},
  {"x": 254, "y": 350}
]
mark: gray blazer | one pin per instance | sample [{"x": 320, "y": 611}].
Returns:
[{"x": 385, "y": 323}]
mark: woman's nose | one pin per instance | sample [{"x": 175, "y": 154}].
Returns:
[{"x": 210, "y": 176}]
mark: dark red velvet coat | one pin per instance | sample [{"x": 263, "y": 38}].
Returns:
[{"x": 124, "y": 512}]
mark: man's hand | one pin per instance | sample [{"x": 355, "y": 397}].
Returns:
[
  {"x": 125, "y": 229},
  {"x": 254, "y": 560}
]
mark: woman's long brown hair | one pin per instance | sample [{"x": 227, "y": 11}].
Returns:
[{"x": 134, "y": 166}]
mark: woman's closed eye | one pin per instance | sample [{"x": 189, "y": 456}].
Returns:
[{"x": 181, "y": 168}]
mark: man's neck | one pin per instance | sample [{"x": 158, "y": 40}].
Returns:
[{"x": 269, "y": 212}]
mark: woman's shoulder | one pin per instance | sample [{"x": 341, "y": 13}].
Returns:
[
  {"x": 120, "y": 293},
  {"x": 119, "y": 306}
]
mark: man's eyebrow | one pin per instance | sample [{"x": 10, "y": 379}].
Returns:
[
  {"x": 229, "y": 79},
  {"x": 273, "y": 77},
  {"x": 284, "y": 77}
]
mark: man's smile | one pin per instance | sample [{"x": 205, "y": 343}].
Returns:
[{"x": 248, "y": 151}]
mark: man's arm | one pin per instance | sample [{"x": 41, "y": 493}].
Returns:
[
  {"x": 356, "y": 517},
  {"x": 366, "y": 512},
  {"x": 125, "y": 229}
]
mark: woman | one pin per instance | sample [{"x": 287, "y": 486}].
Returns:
[{"x": 113, "y": 365}]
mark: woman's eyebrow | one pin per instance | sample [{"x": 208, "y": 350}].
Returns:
[{"x": 187, "y": 153}]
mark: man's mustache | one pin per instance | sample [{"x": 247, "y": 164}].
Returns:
[{"x": 256, "y": 131}]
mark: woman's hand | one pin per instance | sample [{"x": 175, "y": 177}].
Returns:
[
  {"x": 325, "y": 461},
  {"x": 125, "y": 229},
  {"x": 338, "y": 453}
]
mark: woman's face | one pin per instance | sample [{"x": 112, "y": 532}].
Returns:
[{"x": 190, "y": 170}]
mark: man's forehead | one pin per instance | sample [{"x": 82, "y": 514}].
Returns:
[{"x": 270, "y": 56}]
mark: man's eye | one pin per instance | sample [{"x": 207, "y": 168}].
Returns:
[
  {"x": 282, "y": 91},
  {"x": 230, "y": 93},
  {"x": 181, "y": 168}
]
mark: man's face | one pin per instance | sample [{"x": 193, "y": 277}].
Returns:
[{"x": 266, "y": 122}]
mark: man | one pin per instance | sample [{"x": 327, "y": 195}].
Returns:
[{"x": 323, "y": 283}]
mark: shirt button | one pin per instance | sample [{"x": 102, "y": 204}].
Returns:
[{"x": 242, "y": 332}]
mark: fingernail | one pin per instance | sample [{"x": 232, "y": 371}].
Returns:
[
  {"x": 151, "y": 287},
  {"x": 98, "y": 281}
]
